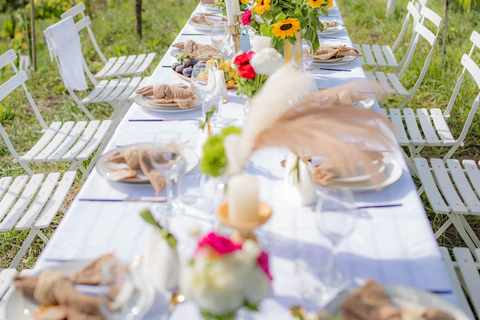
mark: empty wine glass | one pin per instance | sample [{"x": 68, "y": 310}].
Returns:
[
  {"x": 168, "y": 159},
  {"x": 302, "y": 54},
  {"x": 203, "y": 83},
  {"x": 220, "y": 37},
  {"x": 335, "y": 218}
]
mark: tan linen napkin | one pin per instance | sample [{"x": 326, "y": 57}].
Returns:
[
  {"x": 329, "y": 24},
  {"x": 179, "y": 93},
  {"x": 198, "y": 49},
  {"x": 203, "y": 18},
  {"x": 342, "y": 97},
  {"x": 53, "y": 288},
  {"x": 138, "y": 158},
  {"x": 208, "y": 1},
  {"x": 326, "y": 52}
]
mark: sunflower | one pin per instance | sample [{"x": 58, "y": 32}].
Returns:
[
  {"x": 286, "y": 28},
  {"x": 262, "y": 6},
  {"x": 245, "y": 1},
  {"x": 329, "y": 4},
  {"x": 316, "y": 3}
]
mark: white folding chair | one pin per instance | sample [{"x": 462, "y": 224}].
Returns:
[
  {"x": 391, "y": 81},
  {"x": 114, "y": 66},
  {"x": 383, "y": 56},
  {"x": 410, "y": 124},
  {"x": 69, "y": 141}
]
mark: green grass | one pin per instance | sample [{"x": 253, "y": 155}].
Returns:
[{"x": 163, "y": 19}]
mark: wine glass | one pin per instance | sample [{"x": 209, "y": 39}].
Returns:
[
  {"x": 216, "y": 119},
  {"x": 203, "y": 83},
  {"x": 129, "y": 294},
  {"x": 220, "y": 37},
  {"x": 302, "y": 54},
  {"x": 335, "y": 218},
  {"x": 168, "y": 159}
]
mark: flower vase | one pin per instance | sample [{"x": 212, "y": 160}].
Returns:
[{"x": 287, "y": 47}]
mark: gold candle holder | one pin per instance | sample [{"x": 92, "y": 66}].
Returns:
[
  {"x": 244, "y": 230},
  {"x": 235, "y": 32}
]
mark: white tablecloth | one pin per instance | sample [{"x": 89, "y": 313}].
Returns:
[{"x": 391, "y": 245}]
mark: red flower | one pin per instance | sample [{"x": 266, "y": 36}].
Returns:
[
  {"x": 243, "y": 58},
  {"x": 263, "y": 263},
  {"x": 219, "y": 244},
  {"x": 247, "y": 18},
  {"x": 246, "y": 71}
]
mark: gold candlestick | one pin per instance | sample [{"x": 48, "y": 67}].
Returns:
[{"x": 235, "y": 36}]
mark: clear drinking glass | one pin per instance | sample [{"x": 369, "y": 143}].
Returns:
[
  {"x": 130, "y": 293},
  {"x": 335, "y": 218},
  {"x": 220, "y": 37},
  {"x": 203, "y": 83},
  {"x": 302, "y": 54},
  {"x": 168, "y": 159}
]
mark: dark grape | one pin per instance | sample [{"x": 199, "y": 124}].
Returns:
[
  {"x": 187, "y": 72},
  {"x": 174, "y": 65},
  {"x": 180, "y": 68}
]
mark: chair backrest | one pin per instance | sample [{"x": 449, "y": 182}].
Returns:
[
  {"x": 473, "y": 69},
  {"x": 17, "y": 80},
  {"x": 412, "y": 12},
  {"x": 83, "y": 23}
]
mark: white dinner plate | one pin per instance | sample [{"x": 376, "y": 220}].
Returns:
[
  {"x": 104, "y": 168},
  {"x": 364, "y": 104},
  {"x": 359, "y": 177},
  {"x": 202, "y": 26},
  {"x": 333, "y": 62},
  {"x": 393, "y": 171},
  {"x": 23, "y": 307},
  {"x": 209, "y": 7},
  {"x": 176, "y": 52},
  {"x": 170, "y": 107},
  {"x": 402, "y": 296},
  {"x": 330, "y": 31}
]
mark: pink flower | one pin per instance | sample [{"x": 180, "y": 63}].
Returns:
[
  {"x": 243, "y": 58},
  {"x": 263, "y": 263},
  {"x": 219, "y": 244},
  {"x": 247, "y": 18}
]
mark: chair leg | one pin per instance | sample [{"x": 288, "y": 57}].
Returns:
[
  {"x": 411, "y": 165},
  {"x": 470, "y": 231},
  {"x": 421, "y": 190},
  {"x": 23, "y": 249},
  {"x": 461, "y": 230},
  {"x": 443, "y": 228}
]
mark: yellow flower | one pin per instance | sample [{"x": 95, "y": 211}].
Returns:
[
  {"x": 262, "y": 6},
  {"x": 329, "y": 4},
  {"x": 286, "y": 28},
  {"x": 316, "y": 3},
  {"x": 245, "y": 1}
]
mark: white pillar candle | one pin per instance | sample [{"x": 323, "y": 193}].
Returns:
[
  {"x": 236, "y": 5},
  {"x": 260, "y": 42},
  {"x": 229, "y": 8},
  {"x": 243, "y": 198}
]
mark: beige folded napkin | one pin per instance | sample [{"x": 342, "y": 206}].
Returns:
[
  {"x": 52, "y": 288},
  {"x": 179, "y": 93},
  {"x": 326, "y": 52},
  {"x": 137, "y": 158},
  {"x": 203, "y": 18},
  {"x": 200, "y": 50},
  {"x": 342, "y": 97},
  {"x": 371, "y": 303},
  {"x": 329, "y": 24},
  {"x": 208, "y": 1}
]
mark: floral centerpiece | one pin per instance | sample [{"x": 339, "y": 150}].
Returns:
[
  {"x": 224, "y": 276},
  {"x": 254, "y": 68},
  {"x": 283, "y": 19}
]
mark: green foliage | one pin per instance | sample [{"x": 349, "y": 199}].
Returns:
[
  {"x": 6, "y": 113},
  {"x": 147, "y": 216}
]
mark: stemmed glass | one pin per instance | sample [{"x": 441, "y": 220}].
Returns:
[
  {"x": 203, "y": 83},
  {"x": 302, "y": 54},
  {"x": 335, "y": 218},
  {"x": 168, "y": 159},
  {"x": 220, "y": 37}
]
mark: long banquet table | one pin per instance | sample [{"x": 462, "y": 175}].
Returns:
[{"x": 392, "y": 245}]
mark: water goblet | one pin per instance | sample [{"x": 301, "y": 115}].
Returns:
[
  {"x": 220, "y": 36},
  {"x": 302, "y": 54},
  {"x": 203, "y": 83}
]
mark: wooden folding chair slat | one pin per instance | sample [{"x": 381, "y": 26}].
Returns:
[
  {"x": 387, "y": 51},
  {"x": 120, "y": 61},
  {"x": 370, "y": 76},
  {"x": 6, "y": 276},
  {"x": 441, "y": 126},
  {"x": 56, "y": 142},
  {"x": 82, "y": 142},
  {"x": 377, "y": 51},
  {"x": 7, "y": 58},
  {"x": 12, "y": 84},
  {"x": 108, "y": 89},
  {"x": 383, "y": 112},
  {"x": 457, "y": 288},
  {"x": 68, "y": 142},
  {"x": 19, "y": 208},
  {"x": 427, "y": 127},
  {"x": 4, "y": 183},
  {"x": 125, "y": 66},
  {"x": 473, "y": 174},
  {"x": 38, "y": 204},
  {"x": 382, "y": 79},
  {"x": 118, "y": 90},
  {"x": 356, "y": 46},
  {"x": 141, "y": 85},
  {"x": 130, "y": 88},
  {"x": 44, "y": 140},
  {"x": 367, "y": 53},
  {"x": 95, "y": 92},
  {"x": 96, "y": 140},
  {"x": 56, "y": 201},
  {"x": 412, "y": 126},
  {"x": 110, "y": 63},
  {"x": 145, "y": 64},
  {"x": 469, "y": 271},
  {"x": 400, "y": 134},
  {"x": 433, "y": 194},
  {"x": 468, "y": 195},
  {"x": 136, "y": 64},
  {"x": 447, "y": 188},
  {"x": 13, "y": 191},
  {"x": 399, "y": 88}
]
